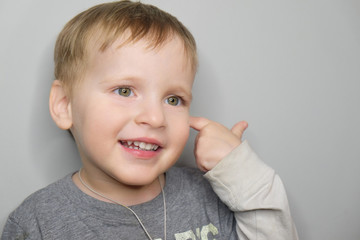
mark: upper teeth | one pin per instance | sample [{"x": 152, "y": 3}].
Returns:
[{"x": 141, "y": 145}]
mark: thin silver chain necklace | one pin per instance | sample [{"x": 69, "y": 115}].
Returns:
[{"x": 136, "y": 216}]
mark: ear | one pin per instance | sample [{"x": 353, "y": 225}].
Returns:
[{"x": 60, "y": 106}]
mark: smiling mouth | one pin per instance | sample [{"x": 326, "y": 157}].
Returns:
[{"x": 137, "y": 145}]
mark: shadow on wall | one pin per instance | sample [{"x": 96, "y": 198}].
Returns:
[
  {"x": 205, "y": 104},
  {"x": 53, "y": 150}
]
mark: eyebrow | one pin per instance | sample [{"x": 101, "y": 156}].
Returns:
[
  {"x": 112, "y": 80},
  {"x": 188, "y": 94},
  {"x": 182, "y": 92},
  {"x": 180, "y": 89}
]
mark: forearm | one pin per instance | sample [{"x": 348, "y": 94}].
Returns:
[{"x": 255, "y": 194}]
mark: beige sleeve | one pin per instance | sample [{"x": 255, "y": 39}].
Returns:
[{"x": 255, "y": 194}]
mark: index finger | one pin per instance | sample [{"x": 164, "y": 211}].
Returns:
[{"x": 198, "y": 123}]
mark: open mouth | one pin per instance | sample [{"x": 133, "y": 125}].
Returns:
[{"x": 143, "y": 146}]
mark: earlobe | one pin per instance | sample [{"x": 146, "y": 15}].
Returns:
[{"x": 60, "y": 106}]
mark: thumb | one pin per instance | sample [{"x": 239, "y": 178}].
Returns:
[{"x": 239, "y": 128}]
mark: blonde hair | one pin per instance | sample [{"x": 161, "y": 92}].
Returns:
[{"x": 105, "y": 23}]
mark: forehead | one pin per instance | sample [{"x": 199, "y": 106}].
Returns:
[
  {"x": 170, "y": 54},
  {"x": 100, "y": 42}
]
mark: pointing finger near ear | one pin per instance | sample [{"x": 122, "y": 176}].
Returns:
[
  {"x": 239, "y": 128},
  {"x": 198, "y": 123}
]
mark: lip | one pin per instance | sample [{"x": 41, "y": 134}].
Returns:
[{"x": 139, "y": 153}]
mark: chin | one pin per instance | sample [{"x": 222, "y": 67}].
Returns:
[{"x": 139, "y": 179}]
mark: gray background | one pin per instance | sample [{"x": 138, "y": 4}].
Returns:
[{"x": 290, "y": 68}]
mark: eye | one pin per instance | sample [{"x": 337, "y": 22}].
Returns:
[
  {"x": 173, "y": 101},
  {"x": 125, "y": 92}
]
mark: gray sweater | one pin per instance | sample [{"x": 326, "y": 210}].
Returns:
[
  {"x": 246, "y": 185},
  {"x": 62, "y": 211}
]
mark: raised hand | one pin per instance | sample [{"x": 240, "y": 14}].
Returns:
[{"x": 214, "y": 141}]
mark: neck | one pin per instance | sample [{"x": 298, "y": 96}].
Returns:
[{"x": 116, "y": 191}]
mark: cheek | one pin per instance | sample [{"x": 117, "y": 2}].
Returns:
[
  {"x": 180, "y": 129},
  {"x": 94, "y": 126}
]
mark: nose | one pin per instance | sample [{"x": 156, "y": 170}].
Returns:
[{"x": 151, "y": 113}]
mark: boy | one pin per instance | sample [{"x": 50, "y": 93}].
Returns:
[{"x": 124, "y": 75}]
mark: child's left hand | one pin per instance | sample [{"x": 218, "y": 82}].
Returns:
[{"x": 214, "y": 141}]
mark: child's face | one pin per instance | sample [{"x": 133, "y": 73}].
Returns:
[{"x": 131, "y": 113}]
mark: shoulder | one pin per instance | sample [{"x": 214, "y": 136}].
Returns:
[
  {"x": 192, "y": 198},
  {"x": 187, "y": 175},
  {"x": 189, "y": 181},
  {"x": 41, "y": 202}
]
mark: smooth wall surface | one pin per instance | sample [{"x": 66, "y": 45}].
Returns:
[{"x": 290, "y": 68}]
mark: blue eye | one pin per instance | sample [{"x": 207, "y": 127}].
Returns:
[
  {"x": 173, "y": 101},
  {"x": 125, "y": 92}
]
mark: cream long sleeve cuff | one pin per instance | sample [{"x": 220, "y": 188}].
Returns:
[{"x": 255, "y": 194}]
